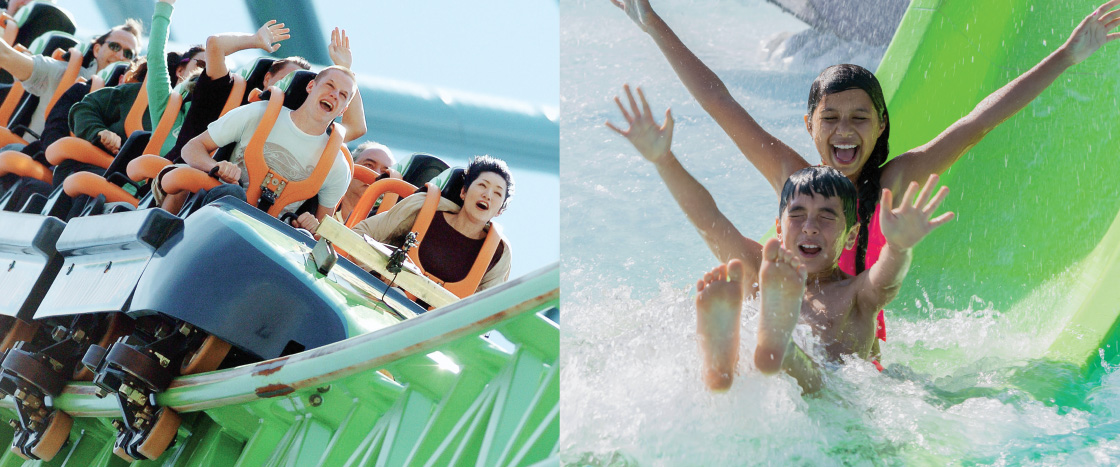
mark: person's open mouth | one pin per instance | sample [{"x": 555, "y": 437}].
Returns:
[
  {"x": 845, "y": 153},
  {"x": 809, "y": 249}
]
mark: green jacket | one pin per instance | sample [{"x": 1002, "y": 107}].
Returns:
[{"x": 103, "y": 109}]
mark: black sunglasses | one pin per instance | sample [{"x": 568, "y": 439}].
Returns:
[{"x": 117, "y": 47}]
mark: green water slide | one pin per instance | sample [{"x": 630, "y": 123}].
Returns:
[
  {"x": 1038, "y": 232},
  {"x": 472, "y": 383}
]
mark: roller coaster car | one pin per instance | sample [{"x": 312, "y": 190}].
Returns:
[
  {"x": 140, "y": 141},
  {"x": 141, "y": 297}
]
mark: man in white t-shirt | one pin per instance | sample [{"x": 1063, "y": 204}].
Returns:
[{"x": 293, "y": 147}]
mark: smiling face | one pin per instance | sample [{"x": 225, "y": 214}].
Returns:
[
  {"x": 126, "y": 46},
  {"x": 330, "y": 93},
  {"x": 813, "y": 226},
  {"x": 482, "y": 200},
  {"x": 845, "y": 127}
]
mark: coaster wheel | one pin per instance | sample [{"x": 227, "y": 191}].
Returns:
[
  {"x": 119, "y": 451},
  {"x": 52, "y": 439},
  {"x": 207, "y": 357},
  {"x": 33, "y": 371},
  {"x": 139, "y": 365},
  {"x": 114, "y": 329},
  {"x": 162, "y": 433},
  {"x": 20, "y": 331}
]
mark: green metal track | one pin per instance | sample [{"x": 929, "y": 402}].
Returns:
[
  {"x": 1038, "y": 232},
  {"x": 493, "y": 402}
]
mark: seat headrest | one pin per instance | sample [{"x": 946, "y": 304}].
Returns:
[
  {"x": 422, "y": 168},
  {"x": 42, "y": 17},
  {"x": 254, "y": 78},
  {"x": 294, "y": 87}
]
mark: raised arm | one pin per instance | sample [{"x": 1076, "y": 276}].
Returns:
[
  {"x": 903, "y": 227},
  {"x": 769, "y": 155},
  {"x": 218, "y": 46},
  {"x": 158, "y": 77},
  {"x": 354, "y": 118},
  {"x": 654, "y": 143},
  {"x": 939, "y": 154}
]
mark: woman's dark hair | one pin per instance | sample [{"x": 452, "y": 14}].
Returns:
[
  {"x": 136, "y": 72},
  {"x": 480, "y": 164},
  {"x": 176, "y": 60},
  {"x": 825, "y": 181},
  {"x": 839, "y": 78}
]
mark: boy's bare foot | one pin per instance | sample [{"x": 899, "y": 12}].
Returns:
[
  {"x": 782, "y": 289},
  {"x": 719, "y": 302}
]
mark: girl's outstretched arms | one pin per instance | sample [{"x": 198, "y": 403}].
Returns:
[
  {"x": 770, "y": 155},
  {"x": 936, "y": 156}
]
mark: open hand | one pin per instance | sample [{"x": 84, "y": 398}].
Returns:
[
  {"x": 339, "y": 50},
  {"x": 1093, "y": 32},
  {"x": 652, "y": 140},
  {"x": 637, "y": 10},
  {"x": 110, "y": 141},
  {"x": 271, "y": 34},
  {"x": 906, "y": 225}
]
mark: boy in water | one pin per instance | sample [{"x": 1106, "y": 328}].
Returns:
[{"x": 796, "y": 274}]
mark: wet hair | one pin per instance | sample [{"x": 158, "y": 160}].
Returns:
[
  {"x": 296, "y": 60},
  {"x": 480, "y": 164},
  {"x": 839, "y": 78},
  {"x": 825, "y": 181},
  {"x": 131, "y": 26}
]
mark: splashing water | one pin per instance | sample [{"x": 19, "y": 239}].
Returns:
[{"x": 633, "y": 395}]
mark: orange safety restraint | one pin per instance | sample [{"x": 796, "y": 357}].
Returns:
[
  {"x": 69, "y": 77},
  {"x": 267, "y": 189},
  {"x": 389, "y": 186},
  {"x": 87, "y": 183},
  {"x": 469, "y": 284}
]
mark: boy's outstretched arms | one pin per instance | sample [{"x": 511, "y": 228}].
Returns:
[
  {"x": 218, "y": 46},
  {"x": 770, "y": 155},
  {"x": 654, "y": 142},
  {"x": 903, "y": 227},
  {"x": 936, "y": 156}
]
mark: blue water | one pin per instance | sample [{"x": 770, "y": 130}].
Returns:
[{"x": 964, "y": 385}]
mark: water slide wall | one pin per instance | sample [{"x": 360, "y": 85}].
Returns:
[{"x": 1037, "y": 235}]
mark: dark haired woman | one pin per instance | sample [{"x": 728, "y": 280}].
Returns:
[{"x": 457, "y": 233}]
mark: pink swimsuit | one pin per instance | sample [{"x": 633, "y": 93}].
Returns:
[{"x": 875, "y": 245}]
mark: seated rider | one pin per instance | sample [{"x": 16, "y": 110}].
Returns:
[
  {"x": 371, "y": 155},
  {"x": 41, "y": 75},
  {"x": 797, "y": 274},
  {"x": 456, "y": 234},
  {"x": 292, "y": 148}
]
